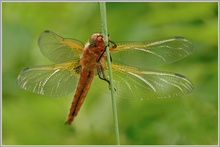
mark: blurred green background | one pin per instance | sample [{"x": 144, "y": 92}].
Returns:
[{"x": 30, "y": 119}]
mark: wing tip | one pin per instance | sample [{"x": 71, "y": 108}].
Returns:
[
  {"x": 47, "y": 31},
  {"x": 188, "y": 42},
  {"x": 26, "y": 68},
  {"x": 179, "y": 75}
]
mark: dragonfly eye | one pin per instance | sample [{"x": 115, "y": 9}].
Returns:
[
  {"x": 92, "y": 38},
  {"x": 95, "y": 38}
]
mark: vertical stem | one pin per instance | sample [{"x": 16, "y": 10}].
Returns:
[{"x": 105, "y": 36}]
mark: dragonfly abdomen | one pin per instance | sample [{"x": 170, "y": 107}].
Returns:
[{"x": 86, "y": 77}]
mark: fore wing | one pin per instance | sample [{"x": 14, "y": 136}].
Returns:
[
  {"x": 56, "y": 80},
  {"x": 144, "y": 55},
  {"x": 137, "y": 84},
  {"x": 58, "y": 49}
]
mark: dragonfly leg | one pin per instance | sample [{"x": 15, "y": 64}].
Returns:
[
  {"x": 101, "y": 54},
  {"x": 113, "y": 47},
  {"x": 93, "y": 44},
  {"x": 114, "y": 44},
  {"x": 102, "y": 76}
]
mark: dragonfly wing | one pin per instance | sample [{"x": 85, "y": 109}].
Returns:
[
  {"x": 144, "y": 55},
  {"x": 56, "y": 80},
  {"x": 59, "y": 49},
  {"x": 137, "y": 84}
]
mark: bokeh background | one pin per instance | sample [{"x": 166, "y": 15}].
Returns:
[{"x": 30, "y": 119}]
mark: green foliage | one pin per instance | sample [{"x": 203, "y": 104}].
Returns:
[{"x": 30, "y": 119}]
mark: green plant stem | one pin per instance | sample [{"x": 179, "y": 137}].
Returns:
[{"x": 105, "y": 36}]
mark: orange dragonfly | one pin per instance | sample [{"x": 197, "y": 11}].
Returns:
[{"x": 76, "y": 62}]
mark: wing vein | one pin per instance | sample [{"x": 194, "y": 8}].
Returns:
[
  {"x": 147, "y": 51},
  {"x": 144, "y": 80}
]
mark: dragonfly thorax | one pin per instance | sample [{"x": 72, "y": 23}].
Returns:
[{"x": 91, "y": 54}]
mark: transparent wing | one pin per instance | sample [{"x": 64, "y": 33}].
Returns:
[
  {"x": 144, "y": 55},
  {"x": 56, "y": 80},
  {"x": 137, "y": 84},
  {"x": 58, "y": 49}
]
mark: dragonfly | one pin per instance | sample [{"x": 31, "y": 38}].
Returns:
[{"x": 76, "y": 65}]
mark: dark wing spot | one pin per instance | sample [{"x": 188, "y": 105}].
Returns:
[
  {"x": 179, "y": 37},
  {"x": 26, "y": 68},
  {"x": 46, "y": 31},
  {"x": 179, "y": 75}
]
